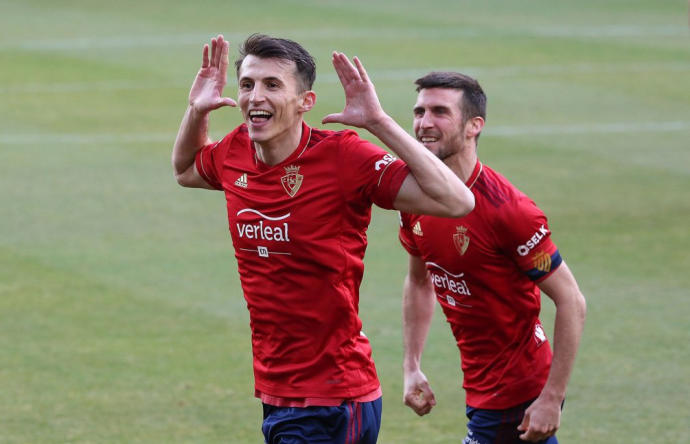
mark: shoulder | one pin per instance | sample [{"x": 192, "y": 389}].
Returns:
[{"x": 325, "y": 137}]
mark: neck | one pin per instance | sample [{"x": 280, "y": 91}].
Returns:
[
  {"x": 462, "y": 163},
  {"x": 273, "y": 151}
]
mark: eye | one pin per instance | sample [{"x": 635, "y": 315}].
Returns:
[
  {"x": 273, "y": 85},
  {"x": 246, "y": 85}
]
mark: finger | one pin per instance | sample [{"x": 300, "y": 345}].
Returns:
[
  {"x": 214, "y": 50},
  {"x": 227, "y": 101},
  {"x": 204, "y": 57},
  {"x": 427, "y": 392},
  {"x": 524, "y": 425},
  {"x": 346, "y": 67},
  {"x": 339, "y": 69},
  {"x": 360, "y": 68},
  {"x": 225, "y": 49},
  {"x": 333, "y": 118}
]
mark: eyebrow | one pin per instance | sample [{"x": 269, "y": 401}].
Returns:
[{"x": 265, "y": 79}]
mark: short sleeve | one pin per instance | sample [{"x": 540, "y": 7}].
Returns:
[
  {"x": 526, "y": 237},
  {"x": 369, "y": 172},
  {"x": 208, "y": 162},
  {"x": 406, "y": 234}
]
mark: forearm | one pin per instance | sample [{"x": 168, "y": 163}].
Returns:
[
  {"x": 192, "y": 136},
  {"x": 418, "y": 310},
  {"x": 568, "y": 327},
  {"x": 436, "y": 180}
]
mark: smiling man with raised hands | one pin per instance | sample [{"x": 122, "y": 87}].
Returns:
[{"x": 299, "y": 203}]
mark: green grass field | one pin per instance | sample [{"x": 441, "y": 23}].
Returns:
[{"x": 121, "y": 316}]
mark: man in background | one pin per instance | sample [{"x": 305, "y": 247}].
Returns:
[{"x": 486, "y": 269}]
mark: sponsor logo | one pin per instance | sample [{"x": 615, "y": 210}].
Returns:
[
  {"x": 242, "y": 181},
  {"x": 542, "y": 261},
  {"x": 445, "y": 281},
  {"x": 272, "y": 229},
  {"x": 292, "y": 180},
  {"x": 525, "y": 248},
  {"x": 386, "y": 160},
  {"x": 461, "y": 240},
  {"x": 417, "y": 229}
]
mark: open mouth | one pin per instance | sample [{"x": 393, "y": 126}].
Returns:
[
  {"x": 428, "y": 139},
  {"x": 259, "y": 116}
]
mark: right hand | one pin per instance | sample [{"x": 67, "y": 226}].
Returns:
[
  {"x": 207, "y": 91},
  {"x": 417, "y": 393}
]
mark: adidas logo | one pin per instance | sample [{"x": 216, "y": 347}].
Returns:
[
  {"x": 242, "y": 181},
  {"x": 417, "y": 229}
]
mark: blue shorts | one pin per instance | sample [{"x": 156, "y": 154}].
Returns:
[
  {"x": 348, "y": 423},
  {"x": 497, "y": 426}
]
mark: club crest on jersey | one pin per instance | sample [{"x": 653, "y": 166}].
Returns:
[
  {"x": 542, "y": 261},
  {"x": 292, "y": 180},
  {"x": 461, "y": 239}
]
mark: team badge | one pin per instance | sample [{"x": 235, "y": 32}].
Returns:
[
  {"x": 542, "y": 261},
  {"x": 292, "y": 180},
  {"x": 461, "y": 239}
]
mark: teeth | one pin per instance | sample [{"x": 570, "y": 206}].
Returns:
[
  {"x": 428, "y": 139},
  {"x": 259, "y": 113}
]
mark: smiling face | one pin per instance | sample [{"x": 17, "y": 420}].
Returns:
[
  {"x": 438, "y": 121},
  {"x": 271, "y": 101}
]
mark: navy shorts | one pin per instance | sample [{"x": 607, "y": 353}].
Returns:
[
  {"x": 497, "y": 426},
  {"x": 348, "y": 423}
]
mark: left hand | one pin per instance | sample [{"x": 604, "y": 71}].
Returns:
[
  {"x": 541, "y": 420},
  {"x": 362, "y": 106}
]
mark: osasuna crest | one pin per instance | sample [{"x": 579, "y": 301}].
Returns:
[
  {"x": 461, "y": 239},
  {"x": 292, "y": 180}
]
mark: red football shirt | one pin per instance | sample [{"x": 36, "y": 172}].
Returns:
[
  {"x": 484, "y": 268},
  {"x": 299, "y": 233}
]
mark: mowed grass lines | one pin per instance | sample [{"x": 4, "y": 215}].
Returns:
[{"x": 121, "y": 315}]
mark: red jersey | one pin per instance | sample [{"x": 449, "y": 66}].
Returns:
[
  {"x": 485, "y": 268},
  {"x": 299, "y": 233}
]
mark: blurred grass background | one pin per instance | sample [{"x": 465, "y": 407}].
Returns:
[{"x": 121, "y": 315}]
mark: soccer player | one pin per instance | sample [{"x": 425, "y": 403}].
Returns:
[
  {"x": 299, "y": 202},
  {"x": 486, "y": 270}
]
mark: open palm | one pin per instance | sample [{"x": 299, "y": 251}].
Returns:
[
  {"x": 207, "y": 90},
  {"x": 362, "y": 106}
]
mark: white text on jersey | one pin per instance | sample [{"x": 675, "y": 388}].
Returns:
[{"x": 533, "y": 241}]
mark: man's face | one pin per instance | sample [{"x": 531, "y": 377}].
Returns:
[
  {"x": 438, "y": 121},
  {"x": 269, "y": 98}
]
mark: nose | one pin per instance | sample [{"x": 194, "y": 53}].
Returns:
[
  {"x": 425, "y": 121},
  {"x": 257, "y": 94}
]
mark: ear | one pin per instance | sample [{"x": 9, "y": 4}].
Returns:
[
  {"x": 473, "y": 127},
  {"x": 307, "y": 101}
]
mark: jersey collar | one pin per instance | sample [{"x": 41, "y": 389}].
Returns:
[{"x": 478, "y": 168}]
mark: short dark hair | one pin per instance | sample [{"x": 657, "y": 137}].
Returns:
[
  {"x": 267, "y": 47},
  {"x": 473, "y": 98}
]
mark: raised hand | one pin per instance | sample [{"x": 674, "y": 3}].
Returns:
[
  {"x": 417, "y": 393},
  {"x": 362, "y": 106},
  {"x": 207, "y": 91}
]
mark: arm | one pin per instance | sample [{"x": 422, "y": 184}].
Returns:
[
  {"x": 418, "y": 310},
  {"x": 204, "y": 97},
  {"x": 542, "y": 418},
  {"x": 432, "y": 188}
]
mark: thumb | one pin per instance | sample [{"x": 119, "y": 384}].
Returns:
[
  {"x": 333, "y": 118},
  {"x": 524, "y": 425},
  {"x": 226, "y": 101}
]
